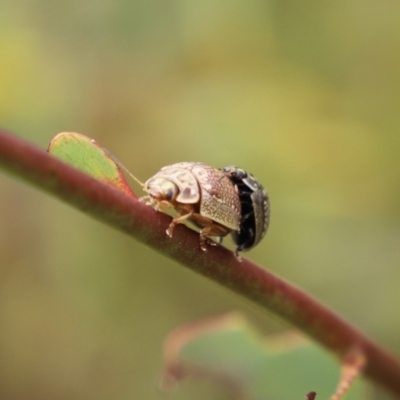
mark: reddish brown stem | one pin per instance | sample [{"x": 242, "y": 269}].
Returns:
[{"x": 219, "y": 264}]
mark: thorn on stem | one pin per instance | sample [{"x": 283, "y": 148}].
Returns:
[{"x": 310, "y": 396}]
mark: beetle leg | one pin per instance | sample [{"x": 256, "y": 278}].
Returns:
[
  {"x": 146, "y": 200},
  {"x": 237, "y": 255},
  {"x": 211, "y": 242},
  {"x": 157, "y": 204},
  {"x": 163, "y": 204},
  {"x": 176, "y": 221},
  {"x": 204, "y": 238}
]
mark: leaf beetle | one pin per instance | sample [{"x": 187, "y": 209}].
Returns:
[{"x": 203, "y": 194}]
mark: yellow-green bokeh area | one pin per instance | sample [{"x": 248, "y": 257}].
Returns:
[{"x": 303, "y": 94}]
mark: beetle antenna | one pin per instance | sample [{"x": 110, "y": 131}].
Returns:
[{"x": 122, "y": 166}]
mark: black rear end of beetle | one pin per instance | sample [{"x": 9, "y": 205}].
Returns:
[{"x": 255, "y": 212}]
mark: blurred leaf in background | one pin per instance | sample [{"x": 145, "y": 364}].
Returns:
[
  {"x": 304, "y": 96},
  {"x": 226, "y": 349}
]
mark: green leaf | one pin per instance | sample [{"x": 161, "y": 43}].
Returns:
[
  {"x": 227, "y": 349},
  {"x": 86, "y": 155}
]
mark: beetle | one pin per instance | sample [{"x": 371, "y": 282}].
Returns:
[
  {"x": 255, "y": 209},
  {"x": 203, "y": 194}
]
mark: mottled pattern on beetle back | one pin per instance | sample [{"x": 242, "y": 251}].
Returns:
[
  {"x": 189, "y": 192},
  {"x": 219, "y": 199}
]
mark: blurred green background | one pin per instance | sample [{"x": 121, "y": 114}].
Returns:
[{"x": 303, "y": 94}]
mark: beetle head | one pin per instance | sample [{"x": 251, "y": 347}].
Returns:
[{"x": 161, "y": 189}]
